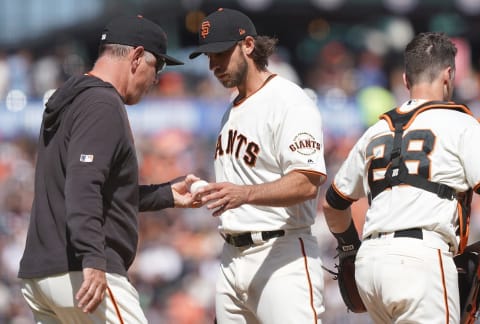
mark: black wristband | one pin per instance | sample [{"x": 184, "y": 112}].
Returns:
[{"x": 349, "y": 239}]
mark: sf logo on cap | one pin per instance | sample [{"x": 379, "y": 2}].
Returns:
[{"x": 205, "y": 29}]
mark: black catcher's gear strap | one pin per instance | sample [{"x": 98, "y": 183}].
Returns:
[{"x": 397, "y": 172}]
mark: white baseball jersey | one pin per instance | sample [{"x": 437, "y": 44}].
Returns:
[
  {"x": 276, "y": 130},
  {"x": 441, "y": 145}
]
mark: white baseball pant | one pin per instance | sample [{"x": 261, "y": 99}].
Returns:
[
  {"x": 277, "y": 282},
  {"x": 408, "y": 280},
  {"x": 52, "y": 301}
]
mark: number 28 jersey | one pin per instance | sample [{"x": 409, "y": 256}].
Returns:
[{"x": 438, "y": 144}]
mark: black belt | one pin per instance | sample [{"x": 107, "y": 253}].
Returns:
[
  {"x": 410, "y": 232},
  {"x": 251, "y": 238}
]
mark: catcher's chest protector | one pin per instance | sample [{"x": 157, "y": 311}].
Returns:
[{"x": 397, "y": 172}]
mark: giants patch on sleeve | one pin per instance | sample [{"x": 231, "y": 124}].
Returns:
[{"x": 305, "y": 144}]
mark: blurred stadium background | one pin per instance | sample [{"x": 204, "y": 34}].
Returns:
[{"x": 348, "y": 52}]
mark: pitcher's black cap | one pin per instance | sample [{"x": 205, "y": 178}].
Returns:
[
  {"x": 138, "y": 31},
  {"x": 221, "y": 29}
]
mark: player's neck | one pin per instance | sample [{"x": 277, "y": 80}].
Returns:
[
  {"x": 253, "y": 83},
  {"x": 112, "y": 71},
  {"x": 427, "y": 92}
]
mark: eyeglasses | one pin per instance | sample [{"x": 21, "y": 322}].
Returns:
[{"x": 160, "y": 65}]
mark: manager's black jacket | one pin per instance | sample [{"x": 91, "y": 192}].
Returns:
[{"x": 87, "y": 195}]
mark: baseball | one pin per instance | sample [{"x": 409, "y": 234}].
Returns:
[{"x": 197, "y": 185}]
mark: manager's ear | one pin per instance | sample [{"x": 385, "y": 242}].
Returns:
[
  {"x": 405, "y": 81},
  {"x": 136, "y": 55}
]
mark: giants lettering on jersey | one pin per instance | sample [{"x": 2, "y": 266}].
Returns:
[
  {"x": 305, "y": 144},
  {"x": 235, "y": 144}
]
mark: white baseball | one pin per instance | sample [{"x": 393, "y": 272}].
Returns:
[{"x": 197, "y": 185}]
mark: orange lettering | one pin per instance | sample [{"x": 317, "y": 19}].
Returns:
[
  {"x": 241, "y": 140},
  {"x": 251, "y": 154},
  {"x": 218, "y": 148},
  {"x": 232, "y": 135},
  {"x": 205, "y": 30}
]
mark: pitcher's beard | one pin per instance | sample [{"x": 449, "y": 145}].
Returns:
[{"x": 237, "y": 77}]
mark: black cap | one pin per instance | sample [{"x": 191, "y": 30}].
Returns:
[
  {"x": 221, "y": 29},
  {"x": 138, "y": 31}
]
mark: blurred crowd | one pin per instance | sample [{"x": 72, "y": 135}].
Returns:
[{"x": 177, "y": 261}]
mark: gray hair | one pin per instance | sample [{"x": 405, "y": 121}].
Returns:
[{"x": 119, "y": 51}]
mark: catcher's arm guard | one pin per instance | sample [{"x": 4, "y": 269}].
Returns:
[{"x": 468, "y": 267}]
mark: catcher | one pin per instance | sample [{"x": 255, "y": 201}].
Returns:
[{"x": 417, "y": 166}]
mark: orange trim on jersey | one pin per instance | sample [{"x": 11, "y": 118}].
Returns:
[
  {"x": 309, "y": 281},
  {"x": 457, "y": 107},
  {"x": 237, "y": 101},
  {"x": 445, "y": 295},
  {"x": 115, "y": 305},
  {"x": 322, "y": 175},
  {"x": 334, "y": 187}
]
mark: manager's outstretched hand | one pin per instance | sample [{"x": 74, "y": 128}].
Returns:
[{"x": 181, "y": 195}]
